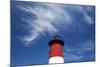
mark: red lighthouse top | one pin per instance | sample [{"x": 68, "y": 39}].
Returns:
[{"x": 56, "y": 47}]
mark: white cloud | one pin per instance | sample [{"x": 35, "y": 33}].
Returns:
[
  {"x": 71, "y": 53},
  {"x": 88, "y": 19},
  {"x": 84, "y": 10},
  {"x": 72, "y": 57},
  {"x": 45, "y": 20},
  {"x": 49, "y": 19}
]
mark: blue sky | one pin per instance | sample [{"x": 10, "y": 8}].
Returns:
[{"x": 33, "y": 24}]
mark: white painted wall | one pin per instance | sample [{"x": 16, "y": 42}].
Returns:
[{"x": 54, "y": 60}]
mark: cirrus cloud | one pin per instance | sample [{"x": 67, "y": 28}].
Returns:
[{"x": 50, "y": 18}]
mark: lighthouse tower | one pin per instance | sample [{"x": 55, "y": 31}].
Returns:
[{"x": 56, "y": 50}]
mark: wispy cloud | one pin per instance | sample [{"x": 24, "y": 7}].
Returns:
[
  {"x": 73, "y": 54},
  {"x": 45, "y": 20},
  {"x": 49, "y": 19},
  {"x": 88, "y": 19},
  {"x": 86, "y": 11}
]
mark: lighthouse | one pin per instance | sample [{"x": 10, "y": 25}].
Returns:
[{"x": 56, "y": 50}]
